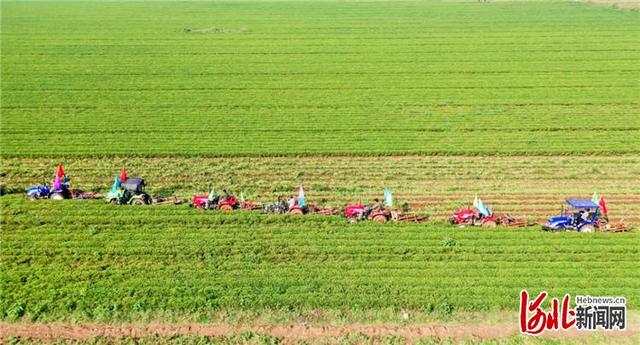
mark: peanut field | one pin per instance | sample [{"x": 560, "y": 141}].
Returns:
[{"x": 524, "y": 103}]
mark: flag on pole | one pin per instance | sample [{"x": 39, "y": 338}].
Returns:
[
  {"x": 595, "y": 198},
  {"x": 57, "y": 183},
  {"x": 603, "y": 206},
  {"x": 60, "y": 172},
  {"x": 301, "y": 200},
  {"x": 479, "y": 205},
  {"x": 123, "y": 174},
  {"x": 116, "y": 185},
  {"x": 388, "y": 198},
  {"x": 212, "y": 194}
]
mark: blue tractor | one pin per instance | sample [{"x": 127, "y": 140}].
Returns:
[
  {"x": 44, "y": 192},
  {"x": 580, "y": 216},
  {"x": 38, "y": 192}
]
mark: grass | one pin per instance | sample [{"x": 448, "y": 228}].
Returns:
[
  {"x": 93, "y": 262},
  {"x": 292, "y": 78}
]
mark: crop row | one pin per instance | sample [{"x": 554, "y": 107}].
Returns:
[
  {"x": 92, "y": 261},
  {"x": 525, "y": 186},
  {"x": 375, "y": 141},
  {"x": 314, "y": 79},
  {"x": 393, "y": 116}
]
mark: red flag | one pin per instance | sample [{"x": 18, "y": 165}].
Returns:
[
  {"x": 603, "y": 207},
  {"x": 123, "y": 174},
  {"x": 60, "y": 172}
]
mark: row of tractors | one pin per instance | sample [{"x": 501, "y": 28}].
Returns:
[
  {"x": 580, "y": 215},
  {"x": 380, "y": 212}
]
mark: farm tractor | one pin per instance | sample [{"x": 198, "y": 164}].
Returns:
[
  {"x": 382, "y": 212},
  {"x": 360, "y": 212},
  {"x": 38, "y": 192},
  {"x": 379, "y": 212},
  {"x": 282, "y": 206},
  {"x": 226, "y": 202},
  {"x": 469, "y": 217},
  {"x": 581, "y": 215},
  {"x": 480, "y": 216},
  {"x": 59, "y": 191},
  {"x": 294, "y": 205},
  {"x": 128, "y": 192}
]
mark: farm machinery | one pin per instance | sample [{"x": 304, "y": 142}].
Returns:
[
  {"x": 380, "y": 212},
  {"x": 38, "y": 192},
  {"x": 294, "y": 205},
  {"x": 225, "y": 202},
  {"x": 59, "y": 190},
  {"x": 131, "y": 191},
  {"x": 584, "y": 215},
  {"x": 480, "y": 216},
  {"x": 581, "y": 215},
  {"x": 359, "y": 212},
  {"x": 128, "y": 192},
  {"x": 470, "y": 217},
  {"x": 483, "y": 216}
]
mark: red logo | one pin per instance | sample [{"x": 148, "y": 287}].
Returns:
[{"x": 534, "y": 320}]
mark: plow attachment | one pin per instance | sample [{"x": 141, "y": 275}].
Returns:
[
  {"x": 166, "y": 201},
  {"x": 616, "y": 227},
  {"x": 409, "y": 218},
  {"x": 246, "y": 205},
  {"x": 313, "y": 209}
]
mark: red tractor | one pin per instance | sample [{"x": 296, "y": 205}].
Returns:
[
  {"x": 200, "y": 201},
  {"x": 355, "y": 213},
  {"x": 469, "y": 217},
  {"x": 224, "y": 204}
]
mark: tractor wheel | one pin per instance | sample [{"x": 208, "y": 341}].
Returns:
[
  {"x": 113, "y": 201},
  {"x": 489, "y": 224},
  {"x": 32, "y": 197},
  {"x": 380, "y": 219},
  {"x": 296, "y": 211},
  {"x": 138, "y": 201},
  {"x": 452, "y": 220},
  {"x": 226, "y": 208},
  {"x": 587, "y": 228},
  {"x": 56, "y": 196}
]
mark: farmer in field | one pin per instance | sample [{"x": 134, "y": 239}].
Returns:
[{"x": 377, "y": 205}]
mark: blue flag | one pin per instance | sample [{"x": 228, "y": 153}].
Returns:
[
  {"x": 388, "y": 198},
  {"x": 479, "y": 205},
  {"x": 116, "y": 185},
  {"x": 301, "y": 198}
]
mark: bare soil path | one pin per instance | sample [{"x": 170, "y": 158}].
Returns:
[{"x": 288, "y": 333}]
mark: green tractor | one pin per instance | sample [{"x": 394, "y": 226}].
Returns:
[{"x": 129, "y": 192}]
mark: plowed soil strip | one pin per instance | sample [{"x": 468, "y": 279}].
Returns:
[{"x": 291, "y": 333}]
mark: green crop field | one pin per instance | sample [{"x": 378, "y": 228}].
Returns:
[
  {"x": 524, "y": 103},
  {"x": 303, "y": 77},
  {"x": 176, "y": 262}
]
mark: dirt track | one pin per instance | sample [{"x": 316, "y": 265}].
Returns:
[
  {"x": 627, "y": 4},
  {"x": 288, "y": 333}
]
